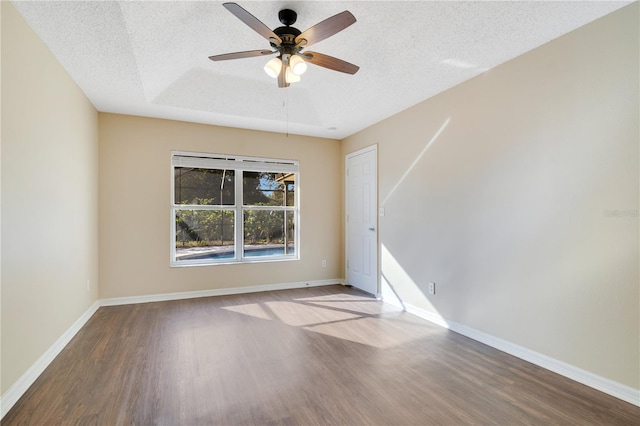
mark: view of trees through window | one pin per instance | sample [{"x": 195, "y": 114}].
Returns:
[{"x": 207, "y": 203}]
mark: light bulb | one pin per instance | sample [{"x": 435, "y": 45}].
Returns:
[
  {"x": 290, "y": 77},
  {"x": 273, "y": 67},
  {"x": 297, "y": 64}
]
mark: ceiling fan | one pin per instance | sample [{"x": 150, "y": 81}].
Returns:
[{"x": 289, "y": 42}]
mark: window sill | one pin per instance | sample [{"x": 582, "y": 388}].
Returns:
[{"x": 232, "y": 262}]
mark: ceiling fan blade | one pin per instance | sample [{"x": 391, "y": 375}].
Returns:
[
  {"x": 252, "y": 21},
  {"x": 282, "y": 80},
  {"x": 330, "y": 62},
  {"x": 239, "y": 55},
  {"x": 326, "y": 28}
]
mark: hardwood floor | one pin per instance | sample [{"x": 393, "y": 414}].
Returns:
[{"x": 324, "y": 355}]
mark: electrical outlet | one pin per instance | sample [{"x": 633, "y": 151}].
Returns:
[
  {"x": 432, "y": 288},
  {"x": 88, "y": 286},
  {"x": 324, "y": 263}
]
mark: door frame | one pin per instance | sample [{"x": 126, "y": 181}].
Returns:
[{"x": 373, "y": 148}]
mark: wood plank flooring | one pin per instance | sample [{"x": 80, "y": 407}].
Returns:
[{"x": 324, "y": 355}]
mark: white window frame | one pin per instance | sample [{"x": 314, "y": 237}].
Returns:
[{"x": 238, "y": 164}]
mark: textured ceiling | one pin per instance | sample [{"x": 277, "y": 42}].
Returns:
[{"x": 150, "y": 58}]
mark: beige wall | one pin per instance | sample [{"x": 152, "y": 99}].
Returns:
[
  {"x": 506, "y": 209},
  {"x": 135, "y": 200},
  {"x": 49, "y": 199}
]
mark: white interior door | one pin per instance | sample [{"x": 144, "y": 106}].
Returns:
[{"x": 361, "y": 221}]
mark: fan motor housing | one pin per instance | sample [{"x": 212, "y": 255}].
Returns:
[
  {"x": 283, "y": 32},
  {"x": 287, "y": 33}
]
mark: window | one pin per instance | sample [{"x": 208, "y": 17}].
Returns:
[{"x": 228, "y": 209}]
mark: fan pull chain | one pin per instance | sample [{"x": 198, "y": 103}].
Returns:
[{"x": 285, "y": 103}]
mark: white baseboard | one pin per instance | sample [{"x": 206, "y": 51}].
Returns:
[
  {"x": 610, "y": 387},
  {"x": 13, "y": 394},
  {"x": 215, "y": 292}
]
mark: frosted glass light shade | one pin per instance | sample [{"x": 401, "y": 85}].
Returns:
[
  {"x": 273, "y": 67},
  {"x": 297, "y": 64},
  {"x": 290, "y": 77}
]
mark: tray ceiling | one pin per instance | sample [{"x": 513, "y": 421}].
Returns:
[{"x": 150, "y": 58}]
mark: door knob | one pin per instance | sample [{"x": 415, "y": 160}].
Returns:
[{"x": 372, "y": 229}]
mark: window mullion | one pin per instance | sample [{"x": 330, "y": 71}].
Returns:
[
  {"x": 274, "y": 208},
  {"x": 202, "y": 207},
  {"x": 239, "y": 219}
]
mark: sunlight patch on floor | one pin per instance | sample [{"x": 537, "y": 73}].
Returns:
[
  {"x": 253, "y": 309},
  {"x": 359, "y": 319},
  {"x": 365, "y": 307},
  {"x": 300, "y": 315},
  {"x": 373, "y": 331},
  {"x": 340, "y": 297}
]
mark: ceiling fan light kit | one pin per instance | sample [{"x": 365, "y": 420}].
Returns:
[
  {"x": 295, "y": 67},
  {"x": 273, "y": 67},
  {"x": 289, "y": 42},
  {"x": 297, "y": 64},
  {"x": 290, "y": 77}
]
